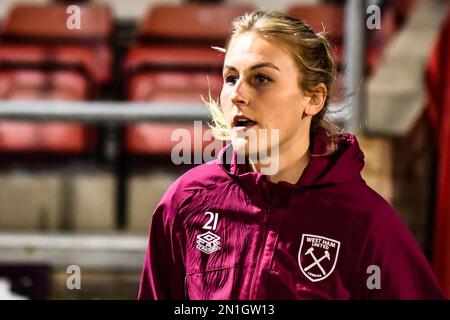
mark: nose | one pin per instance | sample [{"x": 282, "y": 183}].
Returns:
[{"x": 239, "y": 96}]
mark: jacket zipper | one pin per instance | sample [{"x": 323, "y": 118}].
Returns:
[{"x": 258, "y": 259}]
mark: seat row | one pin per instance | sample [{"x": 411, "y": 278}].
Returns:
[{"x": 170, "y": 59}]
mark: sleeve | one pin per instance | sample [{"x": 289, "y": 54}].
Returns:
[
  {"x": 393, "y": 266},
  {"x": 163, "y": 272}
]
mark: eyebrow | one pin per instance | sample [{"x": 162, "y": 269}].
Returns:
[{"x": 256, "y": 66}]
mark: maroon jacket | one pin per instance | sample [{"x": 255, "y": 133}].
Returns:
[{"x": 222, "y": 231}]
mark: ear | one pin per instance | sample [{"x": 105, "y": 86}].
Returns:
[{"x": 317, "y": 99}]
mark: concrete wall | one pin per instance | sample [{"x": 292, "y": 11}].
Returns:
[
  {"x": 93, "y": 204},
  {"x": 377, "y": 171},
  {"x": 144, "y": 193},
  {"x": 57, "y": 200},
  {"x": 30, "y": 201},
  {"x": 400, "y": 170}
]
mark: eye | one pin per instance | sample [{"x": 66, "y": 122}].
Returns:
[
  {"x": 231, "y": 79},
  {"x": 262, "y": 78}
]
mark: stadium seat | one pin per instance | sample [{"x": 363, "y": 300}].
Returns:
[
  {"x": 328, "y": 18},
  {"x": 189, "y": 24},
  {"x": 324, "y": 17},
  {"x": 42, "y": 59},
  {"x": 34, "y": 57},
  {"x": 169, "y": 56},
  {"x": 172, "y": 60},
  {"x": 51, "y": 137},
  {"x": 159, "y": 71},
  {"x": 45, "y": 26},
  {"x": 166, "y": 86},
  {"x": 28, "y": 84},
  {"x": 154, "y": 138}
]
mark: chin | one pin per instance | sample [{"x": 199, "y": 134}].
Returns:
[
  {"x": 243, "y": 147},
  {"x": 247, "y": 149},
  {"x": 254, "y": 143}
]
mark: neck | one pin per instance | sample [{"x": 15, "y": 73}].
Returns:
[{"x": 293, "y": 160}]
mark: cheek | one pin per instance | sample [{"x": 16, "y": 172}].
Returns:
[
  {"x": 287, "y": 114},
  {"x": 281, "y": 118},
  {"x": 285, "y": 127},
  {"x": 286, "y": 121}
]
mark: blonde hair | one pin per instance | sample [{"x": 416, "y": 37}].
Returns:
[{"x": 312, "y": 54}]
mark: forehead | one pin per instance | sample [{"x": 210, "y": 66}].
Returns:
[{"x": 250, "y": 48}]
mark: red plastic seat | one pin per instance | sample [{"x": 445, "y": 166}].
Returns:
[
  {"x": 54, "y": 137},
  {"x": 191, "y": 22},
  {"x": 325, "y": 17},
  {"x": 69, "y": 57},
  {"x": 173, "y": 73},
  {"x": 173, "y": 86},
  {"x": 165, "y": 83},
  {"x": 97, "y": 62},
  {"x": 171, "y": 56},
  {"x": 154, "y": 138},
  {"x": 19, "y": 136},
  {"x": 173, "y": 61},
  {"x": 42, "y": 59},
  {"x": 40, "y": 85},
  {"x": 44, "y": 26},
  {"x": 50, "y": 21}
]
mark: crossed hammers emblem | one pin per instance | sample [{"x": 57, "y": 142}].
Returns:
[{"x": 317, "y": 261}]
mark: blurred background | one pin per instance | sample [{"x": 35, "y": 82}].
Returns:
[{"x": 86, "y": 116}]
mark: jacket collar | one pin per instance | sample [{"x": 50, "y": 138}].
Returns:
[{"x": 343, "y": 165}]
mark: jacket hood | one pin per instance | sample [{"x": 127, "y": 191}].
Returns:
[{"x": 342, "y": 166}]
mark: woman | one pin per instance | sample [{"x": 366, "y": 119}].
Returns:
[{"x": 312, "y": 228}]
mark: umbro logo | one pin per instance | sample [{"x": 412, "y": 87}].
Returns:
[{"x": 209, "y": 242}]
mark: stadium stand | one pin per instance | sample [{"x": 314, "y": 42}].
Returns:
[
  {"x": 41, "y": 59},
  {"x": 173, "y": 61}
]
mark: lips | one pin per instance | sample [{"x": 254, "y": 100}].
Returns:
[{"x": 241, "y": 121}]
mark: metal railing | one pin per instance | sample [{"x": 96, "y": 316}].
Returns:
[
  {"x": 105, "y": 112},
  {"x": 93, "y": 251}
]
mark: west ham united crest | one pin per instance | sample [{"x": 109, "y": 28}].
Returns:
[{"x": 317, "y": 256}]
